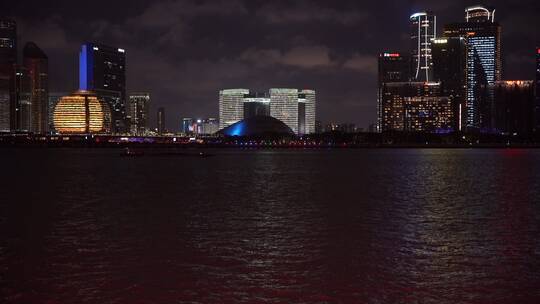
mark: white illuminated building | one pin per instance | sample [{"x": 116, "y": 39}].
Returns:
[
  {"x": 231, "y": 106},
  {"x": 295, "y": 108},
  {"x": 423, "y": 30}
]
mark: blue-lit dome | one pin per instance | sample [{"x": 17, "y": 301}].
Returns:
[{"x": 257, "y": 126}]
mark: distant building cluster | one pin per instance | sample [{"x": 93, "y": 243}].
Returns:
[
  {"x": 454, "y": 82},
  {"x": 27, "y": 106},
  {"x": 207, "y": 126},
  {"x": 295, "y": 108},
  {"x": 24, "y": 85}
]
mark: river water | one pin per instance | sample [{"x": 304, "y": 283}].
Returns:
[{"x": 270, "y": 226}]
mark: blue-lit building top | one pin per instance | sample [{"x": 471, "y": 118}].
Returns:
[{"x": 102, "y": 69}]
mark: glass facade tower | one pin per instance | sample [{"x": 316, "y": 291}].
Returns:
[
  {"x": 36, "y": 62},
  {"x": 102, "y": 69},
  {"x": 8, "y": 60},
  {"x": 484, "y": 63},
  {"x": 423, "y": 30},
  {"x": 139, "y": 109}
]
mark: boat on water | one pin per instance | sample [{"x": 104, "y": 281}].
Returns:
[{"x": 132, "y": 153}]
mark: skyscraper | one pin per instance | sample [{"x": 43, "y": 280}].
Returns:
[
  {"x": 231, "y": 106},
  {"x": 102, "y": 69},
  {"x": 36, "y": 62},
  {"x": 161, "y": 121},
  {"x": 450, "y": 68},
  {"x": 393, "y": 67},
  {"x": 139, "y": 108},
  {"x": 423, "y": 29},
  {"x": 484, "y": 63},
  {"x": 537, "y": 118},
  {"x": 8, "y": 59},
  {"x": 284, "y": 106},
  {"x": 23, "y": 100}
]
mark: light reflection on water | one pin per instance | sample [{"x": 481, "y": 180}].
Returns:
[{"x": 375, "y": 226}]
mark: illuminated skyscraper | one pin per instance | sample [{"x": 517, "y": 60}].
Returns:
[
  {"x": 393, "y": 67},
  {"x": 161, "y": 121},
  {"x": 484, "y": 63},
  {"x": 8, "y": 59},
  {"x": 284, "y": 106},
  {"x": 231, "y": 106},
  {"x": 36, "y": 62},
  {"x": 423, "y": 29},
  {"x": 23, "y": 100},
  {"x": 450, "y": 68},
  {"x": 102, "y": 69},
  {"x": 139, "y": 109}
]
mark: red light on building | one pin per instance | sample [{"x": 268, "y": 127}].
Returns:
[
  {"x": 391, "y": 55},
  {"x": 538, "y": 50}
]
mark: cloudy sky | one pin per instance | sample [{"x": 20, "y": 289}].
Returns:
[{"x": 184, "y": 51}]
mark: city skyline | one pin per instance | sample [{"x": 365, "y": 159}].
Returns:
[{"x": 342, "y": 71}]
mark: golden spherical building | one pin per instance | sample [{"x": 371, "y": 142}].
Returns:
[{"x": 82, "y": 113}]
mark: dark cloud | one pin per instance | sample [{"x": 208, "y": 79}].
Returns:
[{"x": 184, "y": 51}]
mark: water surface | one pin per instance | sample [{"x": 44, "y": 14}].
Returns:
[{"x": 342, "y": 226}]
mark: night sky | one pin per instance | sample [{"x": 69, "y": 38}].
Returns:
[{"x": 184, "y": 52}]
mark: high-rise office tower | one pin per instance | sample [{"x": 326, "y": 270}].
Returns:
[
  {"x": 139, "y": 108},
  {"x": 231, "y": 106},
  {"x": 23, "y": 100},
  {"x": 36, "y": 62},
  {"x": 8, "y": 59},
  {"x": 484, "y": 63},
  {"x": 102, "y": 69},
  {"x": 450, "y": 68},
  {"x": 393, "y": 67},
  {"x": 423, "y": 29},
  {"x": 284, "y": 106},
  {"x": 161, "y": 121},
  {"x": 537, "y": 119}
]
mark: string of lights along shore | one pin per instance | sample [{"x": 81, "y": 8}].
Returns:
[{"x": 448, "y": 81}]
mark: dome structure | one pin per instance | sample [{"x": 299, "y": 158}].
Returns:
[
  {"x": 257, "y": 126},
  {"x": 82, "y": 113}
]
